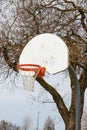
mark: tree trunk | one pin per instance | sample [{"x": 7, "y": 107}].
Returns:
[{"x": 69, "y": 126}]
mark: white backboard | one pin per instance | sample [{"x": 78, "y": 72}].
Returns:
[{"x": 46, "y": 50}]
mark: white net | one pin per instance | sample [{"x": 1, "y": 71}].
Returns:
[
  {"x": 28, "y": 78},
  {"x": 28, "y": 82}
]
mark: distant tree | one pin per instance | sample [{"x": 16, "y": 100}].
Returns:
[
  {"x": 26, "y": 123},
  {"x": 49, "y": 124},
  {"x": 4, "y": 125}
]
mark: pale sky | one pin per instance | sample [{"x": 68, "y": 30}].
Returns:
[{"x": 17, "y": 103}]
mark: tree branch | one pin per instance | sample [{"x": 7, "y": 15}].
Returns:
[
  {"x": 56, "y": 97},
  {"x": 82, "y": 19},
  {"x": 8, "y": 61}
]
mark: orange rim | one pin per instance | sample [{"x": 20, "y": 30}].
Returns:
[{"x": 35, "y": 68}]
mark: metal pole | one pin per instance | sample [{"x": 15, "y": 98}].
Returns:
[
  {"x": 77, "y": 87},
  {"x": 38, "y": 121}
]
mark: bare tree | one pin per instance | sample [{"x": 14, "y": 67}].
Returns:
[
  {"x": 49, "y": 124},
  {"x": 26, "y": 123},
  {"x": 4, "y": 125},
  {"x": 65, "y": 18}
]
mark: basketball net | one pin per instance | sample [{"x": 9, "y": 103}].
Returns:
[{"x": 28, "y": 79}]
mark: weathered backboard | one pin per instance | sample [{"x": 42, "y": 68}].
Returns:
[{"x": 46, "y": 50}]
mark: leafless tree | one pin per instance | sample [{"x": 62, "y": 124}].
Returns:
[
  {"x": 4, "y": 125},
  {"x": 26, "y": 123},
  {"x": 65, "y": 18},
  {"x": 49, "y": 124}
]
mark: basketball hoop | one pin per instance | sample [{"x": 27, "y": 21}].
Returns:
[{"x": 29, "y": 72}]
